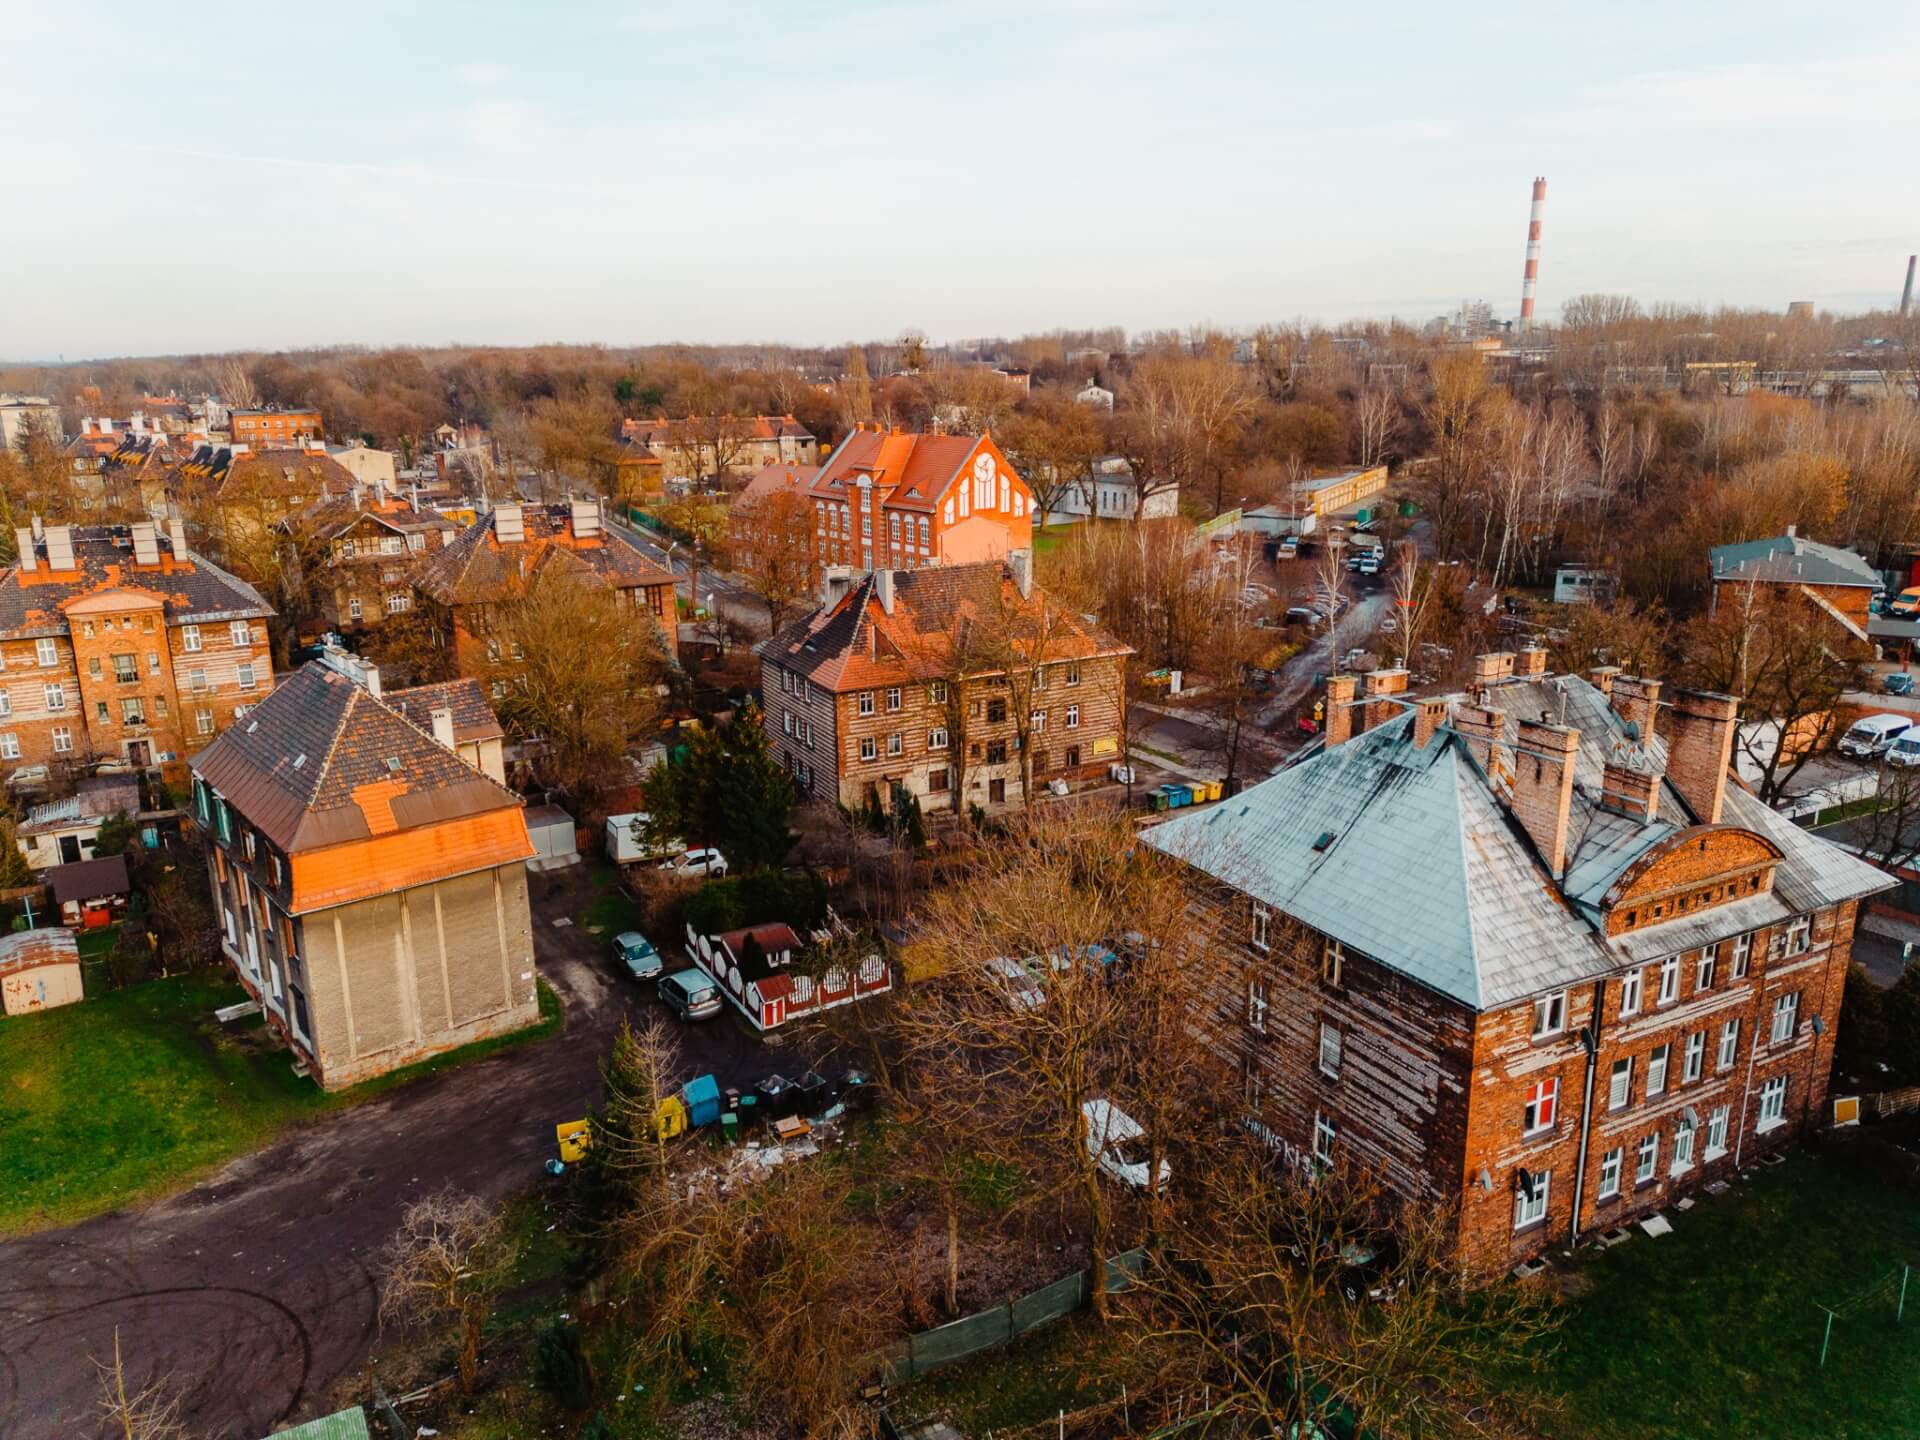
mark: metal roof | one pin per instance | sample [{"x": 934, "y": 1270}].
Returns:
[
  {"x": 346, "y": 1425},
  {"x": 1791, "y": 559}
]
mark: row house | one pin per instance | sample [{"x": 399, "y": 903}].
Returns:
[
  {"x": 700, "y": 446},
  {"x": 955, "y": 684},
  {"x": 887, "y": 500},
  {"x": 370, "y": 542},
  {"x": 1525, "y": 951},
  {"x": 494, "y": 559},
  {"x": 371, "y": 885},
  {"x": 117, "y": 645},
  {"x": 271, "y": 427}
]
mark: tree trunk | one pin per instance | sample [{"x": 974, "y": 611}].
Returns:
[{"x": 953, "y": 1260}]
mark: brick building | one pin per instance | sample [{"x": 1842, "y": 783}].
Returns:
[
  {"x": 273, "y": 428},
  {"x": 919, "y": 678},
  {"x": 1838, "y": 583},
  {"x": 904, "y": 501},
  {"x": 117, "y": 645},
  {"x": 701, "y": 446},
  {"x": 775, "y": 509},
  {"x": 1515, "y": 951},
  {"x": 492, "y": 560},
  {"x": 372, "y": 542},
  {"x": 371, "y": 886}
]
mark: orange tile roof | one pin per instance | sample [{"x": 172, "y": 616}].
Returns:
[{"x": 361, "y": 869}]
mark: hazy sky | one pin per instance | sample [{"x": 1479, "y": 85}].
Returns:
[{"x": 200, "y": 176}]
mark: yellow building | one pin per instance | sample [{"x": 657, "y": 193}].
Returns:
[{"x": 1330, "y": 494}]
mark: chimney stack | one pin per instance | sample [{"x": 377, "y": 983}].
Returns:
[
  {"x": 1338, "y": 726},
  {"x": 1543, "y": 788},
  {"x": 1630, "y": 789},
  {"x": 1480, "y": 729},
  {"x": 835, "y": 581},
  {"x": 1531, "y": 662},
  {"x": 23, "y": 541},
  {"x": 442, "y": 718},
  {"x": 883, "y": 589},
  {"x": 146, "y": 545},
  {"x": 1602, "y": 678},
  {"x": 1428, "y": 717},
  {"x": 1530, "y": 277},
  {"x": 1700, "y": 726},
  {"x": 1635, "y": 698},
  {"x": 1379, "y": 684},
  {"x": 177, "y": 535},
  {"x": 60, "y": 548},
  {"x": 1020, "y": 562},
  {"x": 1494, "y": 665}
]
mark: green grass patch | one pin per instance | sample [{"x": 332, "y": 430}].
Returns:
[
  {"x": 1063, "y": 1366},
  {"x": 611, "y": 911},
  {"x": 135, "y": 1093},
  {"x": 1716, "y": 1329},
  {"x": 95, "y": 944}
]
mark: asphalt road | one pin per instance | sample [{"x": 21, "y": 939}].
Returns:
[
  {"x": 254, "y": 1290},
  {"x": 717, "y": 589}
]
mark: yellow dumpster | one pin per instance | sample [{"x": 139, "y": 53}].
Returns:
[
  {"x": 670, "y": 1117},
  {"x": 576, "y": 1138}
]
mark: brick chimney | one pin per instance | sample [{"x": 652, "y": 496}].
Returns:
[
  {"x": 1543, "y": 788},
  {"x": 1531, "y": 662},
  {"x": 1381, "y": 683},
  {"x": 1700, "y": 726},
  {"x": 1338, "y": 728},
  {"x": 1630, "y": 789},
  {"x": 1428, "y": 717},
  {"x": 1635, "y": 698},
  {"x": 1492, "y": 666},
  {"x": 1603, "y": 677},
  {"x": 1480, "y": 728}
]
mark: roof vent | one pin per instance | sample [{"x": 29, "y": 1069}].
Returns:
[
  {"x": 1326, "y": 839},
  {"x": 299, "y": 759},
  {"x": 252, "y": 725}
]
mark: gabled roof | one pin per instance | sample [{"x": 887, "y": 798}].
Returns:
[
  {"x": 771, "y": 480},
  {"x": 473, "y": 717},
  {"x": 1408, "y": 855},
  {"x": 1791, "y": 560},
  {"x": 855, "y": 643},
  {"x": 334, "y": 515},
  {"x": 194, "y": 590},
  {"x": 701, "y": 428},
  {"x": 322, "y": 762},
  {"x": 476, "y": 568},
  {"x": 915, "y": 470}
]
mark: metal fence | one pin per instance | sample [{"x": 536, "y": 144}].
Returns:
[{"x": 931, "y": 1349}]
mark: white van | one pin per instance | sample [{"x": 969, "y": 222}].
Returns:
[
  {"x": 1905, "y": 749},
  {"x": 1868, "y": 739}
]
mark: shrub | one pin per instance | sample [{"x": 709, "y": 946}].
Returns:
[{"x": 560, "y": 1367}]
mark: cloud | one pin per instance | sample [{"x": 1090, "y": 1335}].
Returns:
[
  {"x": 481, "y": 74},
  {"x": 501, "y": 125},
  {"x": 1827, "y": 96}
]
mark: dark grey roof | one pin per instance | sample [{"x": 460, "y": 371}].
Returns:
[
  {"x": 89, "y": 879},
  {"x": 1791, "y": 559},
  {"x": 198, "y": 591}
]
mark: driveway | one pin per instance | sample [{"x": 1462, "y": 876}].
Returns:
[
  {"x": 1294, "y": 682},
  {"x": 255, "y": 1289}
]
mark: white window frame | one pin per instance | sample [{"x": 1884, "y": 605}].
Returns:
[
  {"x": 56, "y": 694},
  {"x": 896, "y": 745},
  {"x": 1717, "y": 1132},
  {"x": 1646, "y": 1160},
  {"x": 244, "y": 672},
  {"x": 1669, "y": 980},
  {"x": 6, "y": 703},
  {"x": 1742, "y": 952},
  {"x": 1658, "y": 1059},
  {"x": 46, "y": 652},
  {"x": 1333, "y": 960},
  {"x": 203, "y": 720},
  {"x": 1260, "y": 936},
  {"x": 1620, "y": 1084},
  {"x": 937, "y": 738},
  {"x": 1704, "y": 970},
  {"x": 868, "y": 749},
  {"x": 240, "y": 633},
  {"x": 1683, "y": 1142},
  {"x": 893, "y": 697},
  {"x": 1773, "y": 1105},
  {"x": 190, "y": 638},
  {"x": 1612, "y": 1164},
  {"x": 1729, "y": 1045},
  {"x": 1541, "y": 1112},
  {"x": 354, "y": 609},
  {"x": 1549, "y": 1015},
  {"x": 1073, "y": 717},
  {"x": 1786, "y": 1018},
  {"x": 1631, "y": 985},
  {"x": 1257, "y": 1003},
  {"x": 1693, "y": 1058},
  {"x": 1326, "y": 1133},
  {"x": 863, "y": 702},
  {"x": 1332, "y": 1046},
  {"x": 1530, "y": 1212},
  {"x": 9, "y": 745},
  {"x": 1800, "y": 935},
  {"x": 63, "y": 739}
]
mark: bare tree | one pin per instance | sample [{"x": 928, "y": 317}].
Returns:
[
  {"x": 775, "y": 557},
  {"x": 446, "y": 1263},
  {"x": 149, "y": 1412},
  {"x": 1376, "y": 415}
]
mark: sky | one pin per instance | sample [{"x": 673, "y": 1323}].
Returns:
[{"x": 209, "y": 177}]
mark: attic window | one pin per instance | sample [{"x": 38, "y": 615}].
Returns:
[
  {"x": 299, "y": 760},
  {"x": 252, "y": 726},
  {"x": 393, "y": 764},
  {"x": 1326, "y": 839}
]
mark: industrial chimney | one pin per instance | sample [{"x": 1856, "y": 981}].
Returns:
[
  {"x": 1906, "y": 295},
  {"x": 1531, "y": 277}
]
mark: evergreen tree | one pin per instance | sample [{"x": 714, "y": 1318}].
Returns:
[
  {"x": 15, "y": 873},
  {"x": 756, "y": 798},
  {"x": 560, "y": 1367}
]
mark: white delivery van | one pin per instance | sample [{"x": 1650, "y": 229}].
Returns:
[
  {"x": 1905, "y": 749},
  {"x": 1869, "y": 738}
]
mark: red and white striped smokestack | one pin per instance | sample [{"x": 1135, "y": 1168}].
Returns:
[{"x": 1531, "y": 277}]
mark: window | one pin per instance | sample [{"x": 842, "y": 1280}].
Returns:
[
  {"x": 240, "y": 632},
  {"x": 160, "y": 706},
  {"x": 1620, "y": 1084},
  {"x": 1543, "y": 1102},
  {"x": 246, "y": 675},
  {"x": 1530, "y": 1198},
  {"x": 126, "y": 669},
  {"x": 786, "y": 721},
  {"x": 1329, "y": 1051},
  {"x": 941, "y": 779},
  {"x": 1262, "y": 925},
  {"x": 246, "y": 842},
  {"x": 1325, "y": 1132},
  {"x": 56, "y": 696},
  {"x": 6, "y": 703},
  {"x": 100, "y": 711},
  {"x": 894, "y": 745},
  {"x": 398, "y": 602},
  {"x": 62, "y": 739},
  {"x": 1333, "y": 956},
  {"x": 1647, "y": 1162},
  {"x": 1729, "y": 1044},
  {"x": 893, "y": 697},
  {"x": 190, "y": 638},
  {"x": 996, "y": 712},
  {"x": 937, "y": 739},
  {"x": 937, "y": 692},
  {"x": 389, "y": 544},
  {"x": 1037, "y": 722},
  {"x": 1786, "y": 1017},
  {"x": 354, "y": 611},
  {"x": 9, "y": 745},
  {"x": 1800, "y": 935},
  {"x": 1257, "y": 1006},
  {"x": 1693, "y": 1063},
  {"x": 1773, "y": 1100},
  {"x": 197, "y": 681},
  {"x": 1611, "y": 1164},
  {"x": 1549, "y": 1014},
  {"x": 133, "y": 711},
  {"x": 1703, "y": 973},
  {"x": 203, "y": 721},
  {"x": 1073, "y": 717},
  {"x": 1682, "y": 1146},
  {"x": 416, "y": 542},
  {"x": 1630, "y": 993},
  {"x": 868, "y": 750},
  {"x": 1669, "y": 980},
  {"x": 1717, "y": 1131},
  {"x": 1657, "y": 1069},
  {"x": 46, "y": 652},
  {"x": 997, "y": 752},
  {"x": 865, "y": 705},
  {"x": 1742, "y": 947},
  {"x": 153, "y": 662},
  {"x": 1073, "y": 673}
]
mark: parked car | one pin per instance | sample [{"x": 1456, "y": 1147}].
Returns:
[
  {"x": 1289, "y": 548},
  {"x": 697, "y": 862},
  {"x": 1905, "y": 750},
  {"x": 1868, "y": 739},
  {"x": 1906, "y": 604},
  {"x": 1118, "y": 1144},
  {"x": 1302, "y": 615},
  {"x": 1899, "y": 682},
  {"x": 635, "y": 953},
  {"x": 1369, "y": 565},
  {"x": 692, "y": 994}
]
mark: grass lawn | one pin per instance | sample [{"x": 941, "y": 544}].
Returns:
[
  {"x": 1063, "y": 1366},
  {"x": 135, "y": 1092},
  {"x": 1715, "y": 1330},
  {"x": 610, "y": 911}
]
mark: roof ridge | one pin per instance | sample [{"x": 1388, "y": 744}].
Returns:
[{"x": 333, "y": 743}]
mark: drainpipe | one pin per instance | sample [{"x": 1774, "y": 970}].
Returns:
[{"x": 1589, "y": 1037}]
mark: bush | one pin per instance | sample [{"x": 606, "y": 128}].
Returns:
[
  {"x": 560, "y": 1367},
  {"x": 764, "y": 895}
]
